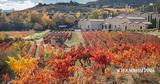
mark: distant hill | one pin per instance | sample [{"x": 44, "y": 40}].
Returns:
[
  {"x": 121, "y": 2},
  {"x": 152, "y": 8},
  {"x": 74, "y": 6},
  {"x": 62, "y": 7}
]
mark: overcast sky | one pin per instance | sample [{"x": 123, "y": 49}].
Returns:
[{"x": 23, "y": 4}]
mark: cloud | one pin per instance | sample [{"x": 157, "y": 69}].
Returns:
[
  {"x": 3, "y": 0},
  {"x": 16, "y": 5}
]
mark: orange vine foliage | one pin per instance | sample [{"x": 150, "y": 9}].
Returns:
[{"x": 90, "y": 61}]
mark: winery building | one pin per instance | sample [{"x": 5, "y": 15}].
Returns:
[
  {"x": 126, "y": 23},
  {"x": 121, "y": 23},
  {"x": 91, "y": 24}
]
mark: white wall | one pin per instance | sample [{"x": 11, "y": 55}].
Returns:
[
  {"x": 96, "y": 24},
  {"x": 85, "y": 24},
  {"x": 121, "y": 23}
]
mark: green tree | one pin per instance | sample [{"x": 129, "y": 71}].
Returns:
[
  {"x": 153, "y": 21},
  {"x": 159, "y": 25},
  {"x": 94, "y": 15}
]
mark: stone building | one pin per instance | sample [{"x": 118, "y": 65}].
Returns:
[
  {"x": 152, "y": 17},
  {"x": 91, "y": 24},
  {"x": 126, "y": 23},
  {"x": 122, "y": 23}
]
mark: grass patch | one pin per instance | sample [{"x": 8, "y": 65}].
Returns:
[
  {"x": 156, "y": 33},
  {"x": 75, "y": 40},
  {"x": 37, "y": 35}
]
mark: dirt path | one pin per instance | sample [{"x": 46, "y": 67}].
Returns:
[
  {"x": 76, "y": 39},
  {"x": 79, "y": 34}
]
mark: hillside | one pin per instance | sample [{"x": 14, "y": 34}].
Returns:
[
  {"x": 152, "y": 8},
  {"x": 74, "y": 6},
  {"x": 62, "y": 7},
  {"x": 121, "y": 2}
]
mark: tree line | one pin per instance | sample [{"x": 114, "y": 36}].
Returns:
[{"x": 27, "y": 20}]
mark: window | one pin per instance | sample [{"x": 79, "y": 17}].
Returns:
[
  {"x": 110, "y": 26},
  {"x": 125, "y": 27},
  {"x": 102, "y": 26},
  {"x": 106, "y": 26},
  {"x": 140, "y": 27}
]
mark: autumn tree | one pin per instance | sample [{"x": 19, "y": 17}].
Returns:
[
  {"x": 62, "y": 18},
  {"x": 45, "y": 19},
  {"x": 3, "y": 17},
  {"x": 33, "y": 19},
  {"x": 69, "y": 18}
]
